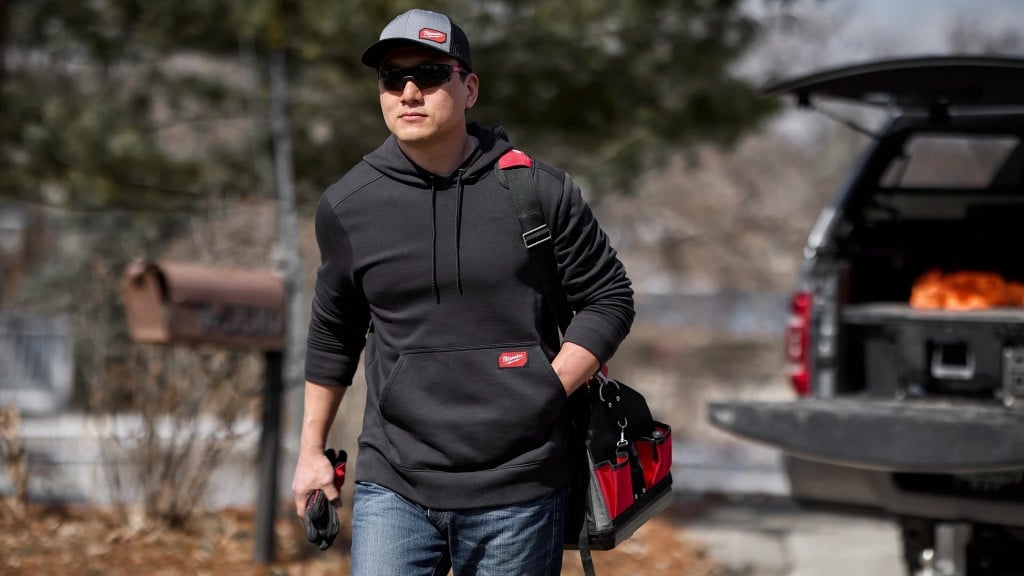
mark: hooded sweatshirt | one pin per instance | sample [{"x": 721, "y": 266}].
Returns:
[{"x": 430, "y": 277}]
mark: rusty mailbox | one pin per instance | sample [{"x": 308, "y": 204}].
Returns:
[
  {"x": 175, "y": 303},
  {"x": 172, "y": 303}
]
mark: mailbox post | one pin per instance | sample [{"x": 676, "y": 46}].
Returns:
[{"x": 175, "y": 303}]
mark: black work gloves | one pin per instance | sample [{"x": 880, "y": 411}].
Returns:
[{"x": 321, "y": 516}]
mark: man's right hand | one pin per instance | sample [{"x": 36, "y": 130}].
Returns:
[{"x": 313, "y": 471}]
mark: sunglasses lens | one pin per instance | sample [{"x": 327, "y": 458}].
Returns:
[
  {"x": 433, "y": 75},
  {"x": 391, "y": 79},
  {"x": 424, "y": 76}
]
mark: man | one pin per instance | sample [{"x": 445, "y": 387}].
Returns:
[{"x": 462, "y": 455}]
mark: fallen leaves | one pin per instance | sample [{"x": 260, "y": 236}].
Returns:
[{"x": 90, "y": 541}]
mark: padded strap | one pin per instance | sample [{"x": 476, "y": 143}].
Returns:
[{"x": 517, "y": 173}]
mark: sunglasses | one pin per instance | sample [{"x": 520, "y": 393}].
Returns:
[{"x": 422, "y": 75}]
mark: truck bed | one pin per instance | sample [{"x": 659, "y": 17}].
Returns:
[{"x": 892, "y": 349}]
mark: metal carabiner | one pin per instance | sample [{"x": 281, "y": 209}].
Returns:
[
  {"x": 600, "y": 390},
  {"x": 622, "y": 433}
]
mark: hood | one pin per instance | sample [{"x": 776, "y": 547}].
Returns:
[
  {"x": 922, "y": 83},
  {"x": 393, "y": 163}
]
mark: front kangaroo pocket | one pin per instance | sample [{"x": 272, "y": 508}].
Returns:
[{"x": 472, "y": 408}]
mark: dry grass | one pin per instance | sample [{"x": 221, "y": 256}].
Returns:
[{"x": 87, "y": 541}]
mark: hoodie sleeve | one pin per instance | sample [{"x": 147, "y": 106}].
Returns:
[
  {"x": 595, "y": 280},
  {"x": 340, "y": 315}
]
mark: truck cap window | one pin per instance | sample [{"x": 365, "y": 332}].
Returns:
[{"x": 949, "y": 161}]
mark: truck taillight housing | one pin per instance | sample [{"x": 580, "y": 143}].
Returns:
[{"x": 798, "y": 335}]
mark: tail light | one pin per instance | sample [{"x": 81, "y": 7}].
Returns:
[{"x": 798, "y": 336}]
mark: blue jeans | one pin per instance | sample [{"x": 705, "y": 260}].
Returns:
[{"x": 392, "y": 536}]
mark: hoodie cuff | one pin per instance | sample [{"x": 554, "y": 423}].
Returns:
[
  {"x": 593, "y": 334},
  {"x": 329, "y": 369}
]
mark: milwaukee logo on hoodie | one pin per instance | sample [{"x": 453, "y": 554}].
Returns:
[{"x": 515, "y": 359}]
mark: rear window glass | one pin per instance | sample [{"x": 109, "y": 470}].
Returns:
[{"x": 950, "y": 161}]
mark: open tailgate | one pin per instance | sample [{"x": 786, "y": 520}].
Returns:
[{"x": 899, "y": 436}]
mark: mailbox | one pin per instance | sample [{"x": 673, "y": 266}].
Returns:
[
  {"x": 174, "y": 303},
  {"x": 171, "y": 303}
]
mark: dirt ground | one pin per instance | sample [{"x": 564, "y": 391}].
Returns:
[{"x": 93, "y": 542}]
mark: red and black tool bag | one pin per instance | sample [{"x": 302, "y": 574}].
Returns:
[{"x": 626, "y": 479}]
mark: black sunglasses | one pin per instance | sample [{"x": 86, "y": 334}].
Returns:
[{"x": 422, "y": 75}]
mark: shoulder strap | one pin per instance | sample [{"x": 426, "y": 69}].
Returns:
[{"x": 517, "y": 173}]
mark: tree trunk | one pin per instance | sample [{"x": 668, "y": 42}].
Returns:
[
  {"x": 287, "y": 258},
  {"x": 4, "y": 24},
  {"x": 288, "y": 261}
]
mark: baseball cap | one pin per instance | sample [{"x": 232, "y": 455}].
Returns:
[{"x": 421, "y": 27}]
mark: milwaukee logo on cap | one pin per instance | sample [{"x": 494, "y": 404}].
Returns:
[
  {"x": 433, "y": 35},
  {"x": 516, "y": 359}
]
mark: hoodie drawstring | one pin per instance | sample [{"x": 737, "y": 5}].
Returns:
[
  {"x": 458, "y": 232},
  {"x": 433, "y": 224},
  {"x": 458, "y": 235}
]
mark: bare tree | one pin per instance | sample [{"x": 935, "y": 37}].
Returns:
[{"x": 15, "y": 459}]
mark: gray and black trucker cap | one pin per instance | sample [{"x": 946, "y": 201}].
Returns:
[{"x": 421, "y": 27}]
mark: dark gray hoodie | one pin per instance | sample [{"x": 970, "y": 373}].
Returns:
[{"x": 431, "y": 276}]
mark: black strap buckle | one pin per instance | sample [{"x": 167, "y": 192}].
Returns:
[{"x": 537, "y": 236}]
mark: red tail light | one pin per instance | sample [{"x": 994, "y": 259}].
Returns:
[{"x": 798, "y": 341}]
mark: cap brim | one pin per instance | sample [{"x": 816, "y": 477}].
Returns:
[{"x": 378, "y": 50}]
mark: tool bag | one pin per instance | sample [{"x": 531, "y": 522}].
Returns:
[{"x": 621, "y": 456}]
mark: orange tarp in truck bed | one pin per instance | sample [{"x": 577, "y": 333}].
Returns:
[{"x": 965, "y": 290}]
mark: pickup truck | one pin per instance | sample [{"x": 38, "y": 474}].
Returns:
[{"x": 909, "y": 398}]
